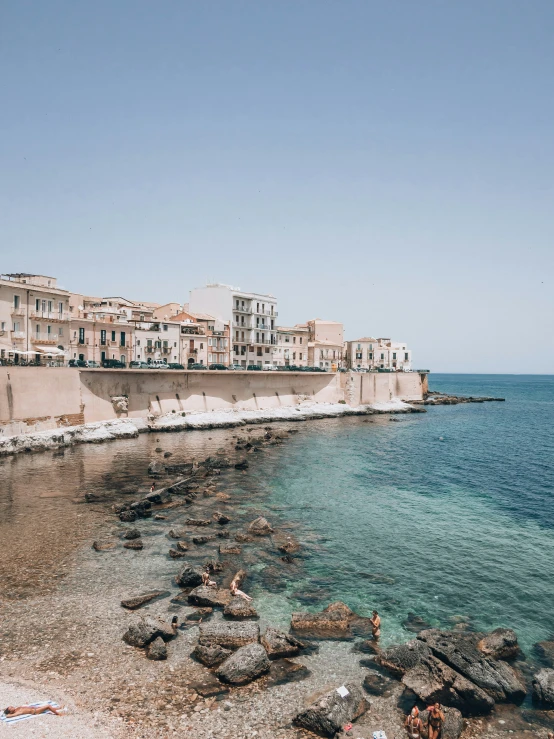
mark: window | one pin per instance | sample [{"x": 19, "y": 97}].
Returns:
[
  {"x": 209, "y": 342},
  {"x": 236, "y": 349},
  {"x": 165, "y": 344},
  {"x": 267, "y": 351},
  {"x": 37, "y": 330},
  {"x": 201, "y": 346},
  {"x": 49, "y": 306},
  {"x": 60, "y": 331},
  {"x": 60, "y": 308},
  {"x": 300, "y": 339},
  {"x": 382, "y": 356},
  {"x": 37, "y": 304},
  {"x": 174, "y": 343},
  {"x": 103, "y": 337},
  {"x": 113, "y": 335},
  {"x": 165, "y": 326},
  {"x": 49, "y": 330},
  {"x": 209, "y": 357},
  {"x": 394, "y": 355},
  {"x": 294, "y": 355},
  {"x": 287, "y": 339},
  {"x": 138, "y": 342},
  {"x": 149, "y": 343},
  {"x": 16, "y": 326},
  {"x": 81, "y": 336},
  {"x": 122, "y": 339},
  {"x": 16, "y": 301},
  {"x": 294, "y": 339},
  {"x": 300, "y": 355},
  {"x": 3, "y": 326},
  {"x": 406, "y": 357},
  {"x": 259, "y": 351},
  {"x": 370, "y": 355}
]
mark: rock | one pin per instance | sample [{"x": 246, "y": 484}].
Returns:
[
  {"x": 286, "y": 671},
  {"x": 189, "y": 576},
  {"x": 176, "y": 533},
  {"x": 144, "y": 631},
  {"x": 242, "y": 465},
  {"x": 453, "y": 722},
  {"x": 431, "y": 680},
  {"x": 499, "y": 644},
  {"x": 377, "y": 684},
  {"x": 400, "y": 658},
  {"x": 229, "y": 634},
  {"x": 336, "y": 621},
  {"x": 368, "y": 646},
  {"x": 197, "y": 522},
  {"x": 131, "y": 534},
  {"x": 415, "y": 624},
  {"x": 239, "y": 608},
  {"x": 221, "y": 518},
  {"x": 287, "y": 544},
  {"x": 128, "y": 516},
  {"x": 210, "y": 655},
  {"x": 158, "y": 497},
  {"x": 209, "y": 686},
  {"x": 243, "y": 538},
  {"x": 156, "y": 469},
  {"x": 245, "y": 665},
  {"x": 327, "y": 715},
  {"x": 543, "y": 688},
  {"x": 260, "y": 527},
  {"x": 199, "y": 614},
  {"x": 176, "y": 553},
  {"x": 199, "y": 540},
  {"x": 545, "y": 652},
  {"x": 157, "y": 649},
  {"x": 277, "y": 644},
  {"x": 159, "y": 517},
  {"x": 460, "y": 652},
  {"x": 229, "y": 550},
  {"x": 182, "y": 546},
  {"x": 104, "y": 546},
  {"x": 134, "y": 544},
  {"x": 140, "y": 600},
  {"x": 204, "y": 595},
  {"x": 223, "y": 534}
]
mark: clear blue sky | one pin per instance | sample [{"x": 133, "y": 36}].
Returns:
[{"x": 388, "y": 164}]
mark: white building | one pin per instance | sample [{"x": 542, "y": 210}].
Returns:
[
  {"x": 157, "y": 340},
  {"x": 292, "y": 346},
  {"x": 252, "y": 318},
  {"x": 372, "y": 354}
]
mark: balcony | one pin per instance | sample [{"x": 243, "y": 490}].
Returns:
[
  {"x": 19, "y": 311},
  {"x": 49, "y": 315},
  {"x": 242, "y": 310},
  {"x": 45, "y": 339},
  {"x": 18, "y": 335}
]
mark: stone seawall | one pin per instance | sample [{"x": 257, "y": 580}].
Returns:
[{"x": 34, "y": 399}]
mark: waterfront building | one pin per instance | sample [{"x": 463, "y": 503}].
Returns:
[
  {"x": 251, "y": 316},
  {"x": 325, "y": 343},
  {"x": 292, "y": 346},
  {"x": 206, "y": 339},
  {"x": 99, "y": 329},
  {"x": 34, "y": 319},
  {"x": 371, "y": 354},
  {"x": 157, "y": 340}
]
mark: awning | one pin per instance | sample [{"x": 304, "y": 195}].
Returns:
[{"x": 53, "y": 351}]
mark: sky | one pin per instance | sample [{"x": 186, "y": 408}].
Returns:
[{"x": 388, "y": 164}]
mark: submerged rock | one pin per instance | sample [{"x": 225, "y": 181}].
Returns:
[
  {"x": 199, "y": 614},
  {"x": 260, "y": 527},
  {"x": 140, "y": 600},
  {"x": 326, "y": 716},
  {"x": 156, "y": 469},
  {"x": 229, "y": 634},
  {"x": 415, "y": 623},
  {"x": 246, "y": 664},
  {"x": 545, "y": 651},
  {"x": 543, "y": 688},
  {"x": 197, "y": 522},
  {"x": 177, "y": 553},
  {"x": 157, "y": 649},
  {"x": 199, "y": 540},
  {"x": 284, "y": 671},
  {"x": 221, "y": 518},
  {"x": 209, "y": 686},
  {"x": 499, "y": 644},
  {"x": 229, "y": 550},
  {"x": 336, "y": 621},
  {"x": 210, "y": 655}
]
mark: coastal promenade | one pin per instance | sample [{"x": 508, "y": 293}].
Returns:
[{"x": 35, "y": 399}]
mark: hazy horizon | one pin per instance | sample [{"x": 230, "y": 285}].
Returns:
[{"x": 389, "y": 166}]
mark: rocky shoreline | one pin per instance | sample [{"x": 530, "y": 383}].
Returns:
[{"x": 436, "y": 398}]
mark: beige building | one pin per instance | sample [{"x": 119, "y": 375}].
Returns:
[
  {"x": 326, "y": 344},
  {"x": 99, "y": 329},
  {"x": 206, "y": 339},
  {"x": 34, "y": 320},
  {"x": 292, "y": 347},
  {"x": 372, "y": 354},
  {"x": 252, "y": 318}
]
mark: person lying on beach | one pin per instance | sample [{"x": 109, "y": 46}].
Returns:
[
  {"x": 206, "y": 580},
  {"x": 375, "y": 625},
  {"x": 235, "y": 591},
  {"x": 12, "y": 711}
]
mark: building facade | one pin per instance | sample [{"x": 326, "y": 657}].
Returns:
[
  {"x": 211, "y": 344},
  {"x": 252, "y": 319},
  {"x": 34, "y": 320},
  {"x": 292, "y": 347},
  {"x": 326, "y": 344},
  {"x": 374, "y": 354}
]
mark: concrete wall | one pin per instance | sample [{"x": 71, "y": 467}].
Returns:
[{"x": 38, "y": 399}]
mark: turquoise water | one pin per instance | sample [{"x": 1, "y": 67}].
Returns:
[{"x": 448, "y": 514}]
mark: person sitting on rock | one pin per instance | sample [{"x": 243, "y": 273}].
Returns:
[
  {"x": 375, "y": 625},
  {"x": 206, "y": 579},
  {"x": 435, "y": 720},
  {"x": 234, "y": 588},
  {"x": 12, "y": 711},
  {"x": 413, "y": 724}
]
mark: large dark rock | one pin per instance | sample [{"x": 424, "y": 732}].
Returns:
[
  {"x": 211, "y": 655},
  {"x": 286, "y": 671},
  {"x": 277, "y": 644},
  {"x": 246, "y": 664},
  {"x": 157, "y": 649},
  {"x": 229, "y": 634},
  {"x": 499, "y": 644},
  {"x": 140, "y": 600},
  {"x": 128, "y": 516},
  {"x": 204, "y": 595},
  {"x": 131, "y": 534},
  {"x": 327, "y": 715},
  {"x": 143, "y": 508},
  {"x": 431, "y": 680},
  {"x": 460, "y": 652},
  {"x": 336, "y": 621},
  {"x": 287, "y": 544},
  {"x": 189, "y": 576},
  {"x": 545, "y": 652},
  {"x": 400, "y": 658},
  {"x": 415, "y": 623},
  {"x": 543, "y": 688},
  {"x": 199, "y": 614},
  {"x": 135, "y": 544},
  {"x": 202, "y": 539},
  {"x": 158, "y": 497},
  {"x": 377, "y": 684},
  {"x": 229, "y": 550},
  {"x": 242, "y": 464},
  {"x": 453, "y": 722},
  {"x": 221, "y": 518},
  {"x": 144, "y": 631},
  {"x": 177, "y": 533},
  {"x": 260, "y": 527},
  {"x": 198, "y": 522},
  {"x": 238, "y": 608}
]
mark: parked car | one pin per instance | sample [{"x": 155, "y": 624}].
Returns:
[
  {"x": 158, "y": 364},
  {"x": 93, "y": 365},
  {"x": 270, "y": 368},
  {"x": 217, "y": 367},
  {"x": 175, "y": 365},
  {"x": 138, "y": 365},
  {"x": 78, "y": 363},
  {"x": 253, "y": 367},
  {"x": 236, "y": 367},
  {"x": 197, "y": 367},
  {"x": 113, "y": 364}
]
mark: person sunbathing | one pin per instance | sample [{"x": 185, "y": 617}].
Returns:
[
  {"x": 206, "y": 580},
  {"x": 12, "y": 711},
  {"x": 235, "y": 591}
]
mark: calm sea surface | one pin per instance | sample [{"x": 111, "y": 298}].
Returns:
[{"x": 448, "y": 515}]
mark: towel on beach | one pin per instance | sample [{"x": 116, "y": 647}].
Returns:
[{"x": 7, "y": 720}]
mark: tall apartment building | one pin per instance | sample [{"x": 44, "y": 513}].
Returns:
[
  {"x": 372, "y": 354},
  {"x": 34, "y": 319},
  {"x": 292, "y": 347},
  {"x": 252, "y": 318}
]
